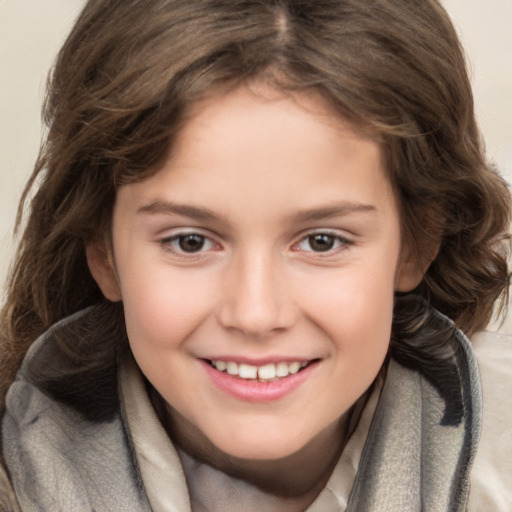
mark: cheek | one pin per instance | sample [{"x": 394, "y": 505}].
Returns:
[
  {"x": 358, "y": 321},
  {"x": 162, "y": 309},
  {"x": 355, "y": 309}
]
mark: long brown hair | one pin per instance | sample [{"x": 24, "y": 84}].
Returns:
[{"x": 129, "y": 69}]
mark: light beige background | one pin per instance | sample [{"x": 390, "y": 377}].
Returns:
[{"x": 31, "y": 32}]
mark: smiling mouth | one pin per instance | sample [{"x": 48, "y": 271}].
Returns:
[{"x": 265, "y": 373}]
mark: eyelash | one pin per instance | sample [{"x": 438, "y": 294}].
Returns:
[
  {"x": 168, "y": 244},
  {"x": 334, "y": 243}
]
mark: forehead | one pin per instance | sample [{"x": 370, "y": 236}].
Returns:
[
  {"x": 256, "y": 147},
  {"x": 259, "y": 101}
]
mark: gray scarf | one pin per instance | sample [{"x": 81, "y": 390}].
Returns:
[{"x": 63, "y": 455}]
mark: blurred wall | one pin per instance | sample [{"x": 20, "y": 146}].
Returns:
[{"x": 31, "y": 32}]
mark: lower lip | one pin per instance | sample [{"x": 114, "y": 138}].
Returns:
[{"x": 255, "y": 391}]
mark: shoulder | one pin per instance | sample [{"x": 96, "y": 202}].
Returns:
[
  {"x": 49, "y": 446},
  {"x": 491, "y": 480},
  {"x": 60, "y": 448}
]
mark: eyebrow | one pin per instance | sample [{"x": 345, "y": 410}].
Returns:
[
  {"x": 338, "y": 209},
  {"x": 335, "y": 210},
  {"x": 171, "y": 208}
]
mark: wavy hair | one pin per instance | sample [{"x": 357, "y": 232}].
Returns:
[{"x": 130, "y": 69}]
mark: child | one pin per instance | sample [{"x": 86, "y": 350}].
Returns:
[{"x": 257, "y": 230}]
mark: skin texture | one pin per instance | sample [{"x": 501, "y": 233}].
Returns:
[{"x": 257, "y": 173}]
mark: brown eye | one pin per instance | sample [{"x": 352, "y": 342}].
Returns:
[
  {"x": 321, "y": 242},
  {"x": 191, "y": 243},
  {"x": 188, "y": 244}
]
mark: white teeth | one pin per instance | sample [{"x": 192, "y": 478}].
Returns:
[
  {"x": 232, "y": 368},
  {"x": 263, "y": 373},
  {"x": 221, "y": 365},
  {"x": 282, "y": 369},
  {"x": 294, "y": 367},
  {"x": 247, "y": 371},
  {"x": 267, "y": 372}
]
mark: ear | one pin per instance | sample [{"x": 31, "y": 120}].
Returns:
[
  {"x": 102, "y": 269},
  {"x": 413, "y": 266}
]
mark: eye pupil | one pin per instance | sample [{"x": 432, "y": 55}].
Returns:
[
  {"x": 191, "y": 243},
  {"x": 321, "y": 242}
]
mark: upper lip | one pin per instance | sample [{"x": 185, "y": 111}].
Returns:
[{"x": 259, "y": 361}]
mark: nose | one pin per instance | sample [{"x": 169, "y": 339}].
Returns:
[{"x": 256, "y": 299}]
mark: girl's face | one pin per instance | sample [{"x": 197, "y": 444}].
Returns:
[{"x": 257, "y": 270}]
